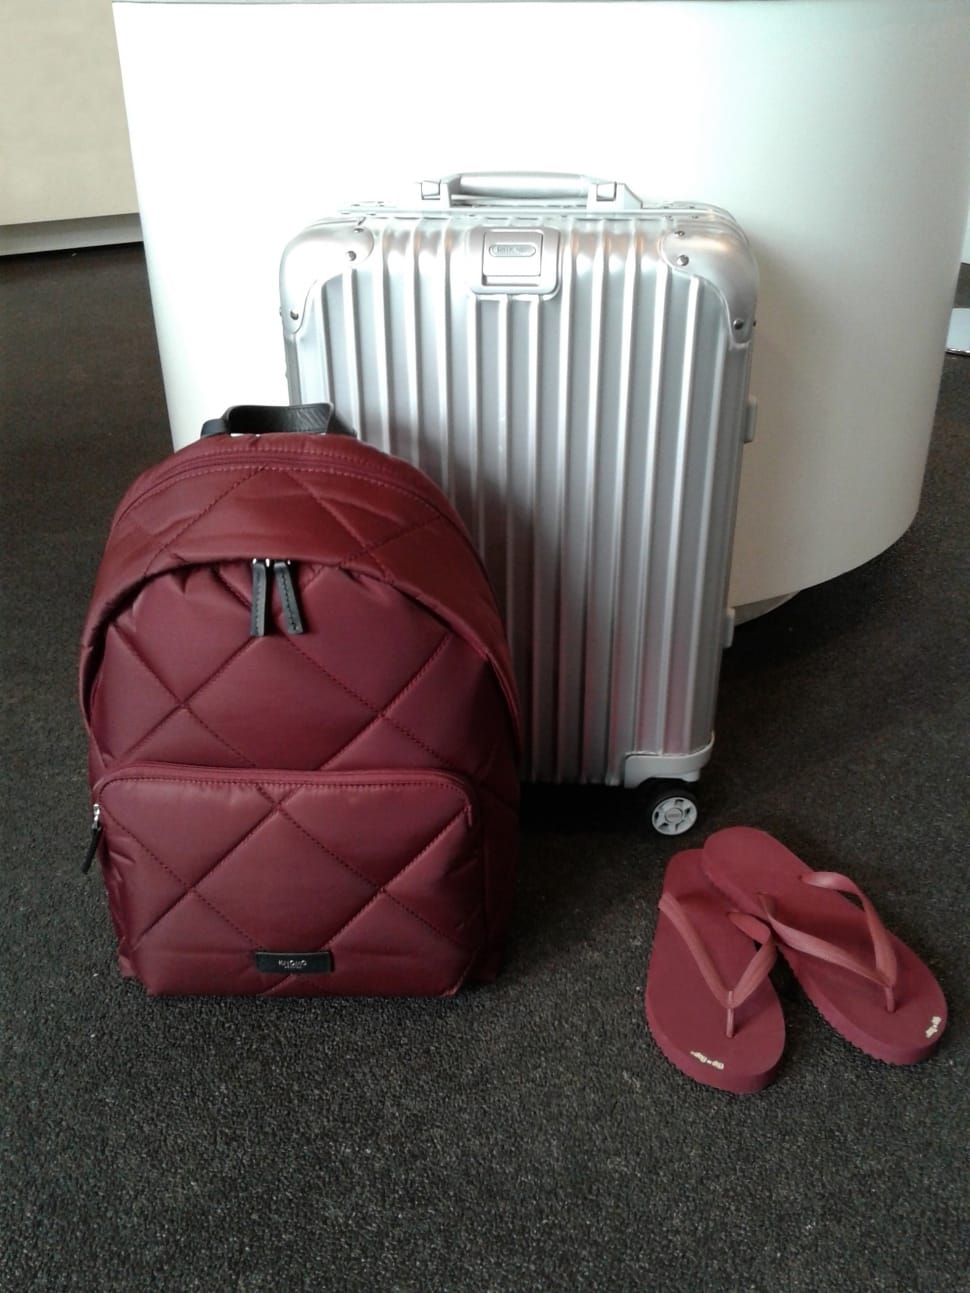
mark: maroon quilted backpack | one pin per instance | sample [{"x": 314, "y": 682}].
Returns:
[{"x": 303, "y": 731}]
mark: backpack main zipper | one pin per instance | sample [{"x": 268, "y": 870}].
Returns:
[{"x": 280, "y": 570}]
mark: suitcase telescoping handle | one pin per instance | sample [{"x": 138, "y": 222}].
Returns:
[
  {"x": 469, "y": 188},
  {"x": 265, "y": 419}
]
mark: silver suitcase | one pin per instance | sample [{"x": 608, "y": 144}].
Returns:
[{"x": 571, "y": 366}]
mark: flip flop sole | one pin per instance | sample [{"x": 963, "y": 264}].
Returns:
[
  {"x": 686, "y": 1020},
  {"x": 751, "y": 868},
  {"x": 722, "y": 1074}
]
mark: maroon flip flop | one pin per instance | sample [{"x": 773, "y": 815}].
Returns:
[
  {"x": 869, "y": 985},
  {"x": 709, "y": 1003}
]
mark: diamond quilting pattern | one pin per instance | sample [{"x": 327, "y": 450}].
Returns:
[
  {"x": 213, "y": 852},
  {"x": 259, "y": 861},
  {"x": 341, "y": 609},
  {"x": 162, "y": 850},
  {"x": 331, "y": 696},
  {"x": 129, "y": 700},
  {"x": 193, "y": 510},
  {"x": 298, "y": 716},
  {"x": 198, "y": 600},
  {"x": 343, "y": 525}
]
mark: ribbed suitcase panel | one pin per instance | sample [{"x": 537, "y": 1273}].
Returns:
[{"x": 591, "y": 442}]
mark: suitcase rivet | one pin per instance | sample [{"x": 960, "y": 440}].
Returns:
[
  {"x": 683, "y": 260},
  {"x": 738, "y": 325},
  {"x": 351, "y": 255},
  {"x": 294, "y": 314}
]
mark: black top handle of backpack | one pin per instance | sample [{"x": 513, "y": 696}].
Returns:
[{"x": 264, "y": 419}]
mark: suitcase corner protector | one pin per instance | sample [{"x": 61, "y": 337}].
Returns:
[{"x": 640, "y": 766}]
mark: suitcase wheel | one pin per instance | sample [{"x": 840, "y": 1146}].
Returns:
[{"x": 672, "y": 808}]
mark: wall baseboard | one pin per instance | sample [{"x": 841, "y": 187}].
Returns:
[{"x": 64, "y": 235}]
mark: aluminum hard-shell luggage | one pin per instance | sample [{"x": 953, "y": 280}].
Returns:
[{"x": 571, "y": 366}]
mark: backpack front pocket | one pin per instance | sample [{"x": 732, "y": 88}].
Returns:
[{"x": 235, "y": 880}]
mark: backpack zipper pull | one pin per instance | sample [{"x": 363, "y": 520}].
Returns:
[
  {"x": 96, "y": 831},
  {"x": 257, "y": 618},
  {"x": 288, "y": 597}
]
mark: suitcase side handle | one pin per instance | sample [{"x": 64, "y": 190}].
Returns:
[
  {"x": 469, "y": 187},
  {"x": 266, "y": 419}
]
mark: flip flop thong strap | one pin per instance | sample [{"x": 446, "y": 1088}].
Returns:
[
  {"x": 754, "y": 974},
  {"x": 884, "y": 970}
]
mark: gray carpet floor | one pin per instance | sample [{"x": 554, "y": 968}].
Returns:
[{"x": 527, "y": 1136}]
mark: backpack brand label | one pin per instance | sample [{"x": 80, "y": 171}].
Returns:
[{"x": 294, "y": 962}]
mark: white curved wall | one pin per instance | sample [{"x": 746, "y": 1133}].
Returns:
[{"x": 837, "y": 131}]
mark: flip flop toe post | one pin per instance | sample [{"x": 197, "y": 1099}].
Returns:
[
  {"x": 863, "y": 980},
  {"x": 709, "y": 1003}
]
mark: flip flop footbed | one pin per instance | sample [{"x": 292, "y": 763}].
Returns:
[
  {"x": 762, "y": 876},
  {"x": 686, "y": 1018}
]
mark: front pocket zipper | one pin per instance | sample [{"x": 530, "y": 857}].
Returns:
[
  {"x": 95, "y": 840},
  {"x": 226, "y": 880}
]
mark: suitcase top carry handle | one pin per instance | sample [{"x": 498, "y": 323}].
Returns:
[
  {"x": 469, "y": 188},
  {"x": 265, "y": 419}
]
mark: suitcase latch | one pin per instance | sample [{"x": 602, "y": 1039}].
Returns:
[{"x": 515, "y": 260}]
